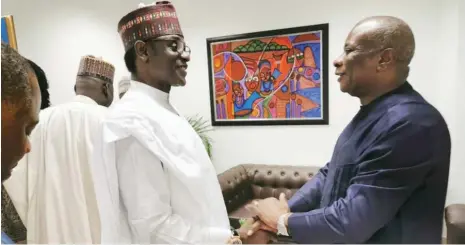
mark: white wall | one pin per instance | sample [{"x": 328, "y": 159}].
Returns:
[
  {"x": 48, "y": 33},
  {"x": 456, "y": 193}
]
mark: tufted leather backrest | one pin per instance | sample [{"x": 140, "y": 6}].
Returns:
[
  {"x": 235, "y": 186},
  {"x": 271, "y": 180},
  {"x": 244, "y": 183}
]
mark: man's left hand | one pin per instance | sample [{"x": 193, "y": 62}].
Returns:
[{"x": 269, "y": 210}]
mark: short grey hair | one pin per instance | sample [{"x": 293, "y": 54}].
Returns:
[
  {"x": 392, "y": 32},
  {"x": 16, "y": 87}
]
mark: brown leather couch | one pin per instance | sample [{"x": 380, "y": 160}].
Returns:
[
  {"x": 455, "y": 223},
  {"x": 244, "y": 183}
]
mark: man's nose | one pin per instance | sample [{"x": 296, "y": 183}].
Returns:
[
  {"x": 338, "y": 62},
  {"x": 186, "y": 56},
  {"x": 27, "y": 146}
]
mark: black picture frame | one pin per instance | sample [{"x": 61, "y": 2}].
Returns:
[{"x": 305, "y": 34}]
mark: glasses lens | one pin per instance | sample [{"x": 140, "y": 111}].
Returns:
[
  {"x": 187, "y": 49},
  {"x": 180, "y": 46}
]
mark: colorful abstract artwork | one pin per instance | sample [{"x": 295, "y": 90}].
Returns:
[
  {"x": 8, "y": 31},
  {"x": 276, "y": 77}
]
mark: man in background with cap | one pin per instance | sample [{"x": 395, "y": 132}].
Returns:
[
  {"x": 53, "y": 189},
  {"x": 162, "y": 185}
]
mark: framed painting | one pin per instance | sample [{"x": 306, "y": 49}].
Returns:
[
  {"x": 8, "y": 31},
  {"x": 276, "y": 77}
]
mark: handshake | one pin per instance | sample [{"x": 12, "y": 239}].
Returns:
[{"x": 270, "y": 216}]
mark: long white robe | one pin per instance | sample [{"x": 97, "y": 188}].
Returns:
[
  {"x": 52, "y": 186},
  {"x": 159, "y": 183}
]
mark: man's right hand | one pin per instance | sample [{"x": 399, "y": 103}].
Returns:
[
  {"x": 254, "y": 231},
  {"x": 259, "y": 237}
]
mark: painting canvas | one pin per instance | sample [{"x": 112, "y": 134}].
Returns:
[
  {"x": 277, "y": 77},
  {"x": 8, "y": 31}
]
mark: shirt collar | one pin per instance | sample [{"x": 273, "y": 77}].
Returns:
[
  {"x": 84, "y": 99},
  {"x": 402, "y": 89},
  {"x": 152, "y": 92}
]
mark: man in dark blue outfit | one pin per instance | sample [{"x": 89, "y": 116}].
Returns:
[{"x": 387, "y": 179}]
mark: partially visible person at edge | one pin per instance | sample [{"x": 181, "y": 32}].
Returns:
[
  {"x": 123, "y": 86},
  {"x": 20, "y": 111},
  {"x": 11, "y": 223},
  {"x": 61, "y": 158},
  {"x": 43, "y": 84},
  {"x": 162, "y": 185},
  {"x": 387, "y": 179}
]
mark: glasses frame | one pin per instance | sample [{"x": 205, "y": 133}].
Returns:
[{"x": 182, "y": 45}]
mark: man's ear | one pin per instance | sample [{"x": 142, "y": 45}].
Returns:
[
  {"x": 105, "y": 89},
  {"x": 141, "y": 50},
  {"x": 386, "y": 58}
]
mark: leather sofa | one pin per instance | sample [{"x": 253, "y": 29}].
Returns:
[
  {"x": 248, "y": 182},
  {"x": 455, "y": 223},
  {"x": 244, "y": 183}
]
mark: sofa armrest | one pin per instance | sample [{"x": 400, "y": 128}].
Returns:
[
  {"x": 455, "y": 222},
  {"x": 235, "y": 186}
]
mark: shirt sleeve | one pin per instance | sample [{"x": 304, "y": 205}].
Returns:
[
  {"x": 388, "y": 172},
  {"x": 145, "y": 193},
  {"x": 309, "y": 195}
]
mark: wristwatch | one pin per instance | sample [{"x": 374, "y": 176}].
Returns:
[{"x": 282, "y": 228}]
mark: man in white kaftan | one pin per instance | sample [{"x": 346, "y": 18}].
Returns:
[
  {"x": 159, "y": 183},
  {"x": 168, "y": 188},
  {"x": 53, "y": 187}
]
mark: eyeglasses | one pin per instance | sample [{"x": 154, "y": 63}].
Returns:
[{"x": 176, "y": 45}]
